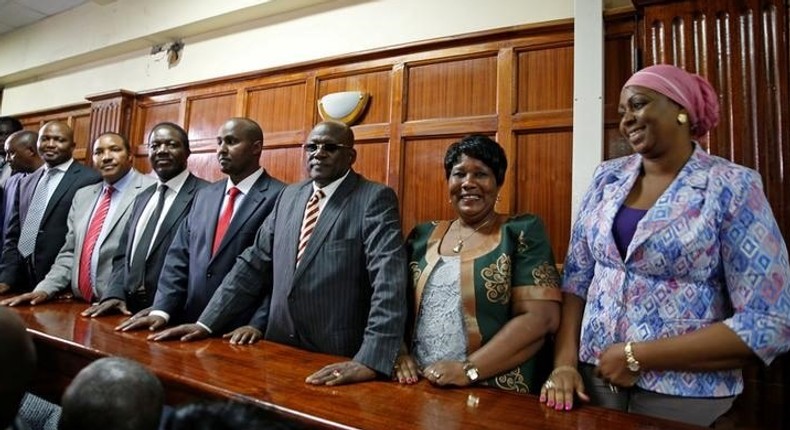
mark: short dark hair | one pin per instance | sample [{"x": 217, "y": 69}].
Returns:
[
  {"x": 26, "y": 139},
  {"x": 112, "y": 393},
  {"x": 482, "y": 148},
  {"x": 123, "y": 138},
  {"x": 16, "y": 125},
  {"x": 182, "y": 134}
]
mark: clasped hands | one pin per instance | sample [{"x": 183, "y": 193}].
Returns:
[
  {"x": 441, "y": 373},
  {"x": 565, "y": 381}
]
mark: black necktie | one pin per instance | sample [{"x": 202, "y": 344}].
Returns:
[{"x": 137, "y": 266}]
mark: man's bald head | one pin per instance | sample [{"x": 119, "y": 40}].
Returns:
[
  {"x": 17, "y": 364},
  {"x": 112, "y": 393},
  {"x": 22, "y": 152}
]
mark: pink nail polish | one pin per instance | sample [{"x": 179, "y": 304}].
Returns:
[
  {"x": 567, "y": 406},
  {"x": 542, "y": 399},
  {"x": 550, "y": 403}
]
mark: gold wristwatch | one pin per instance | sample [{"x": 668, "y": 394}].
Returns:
[
  {"x": 631, "y": 361},
  {"x": 471, "y": 371}
]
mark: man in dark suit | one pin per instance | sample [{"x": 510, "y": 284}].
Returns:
[
  {"x": 34, "y": 237},
  {"x": 22, "y": 156},
  {"x": 8, "y": 126},
  {"x": 336, "y": 285},
  {"x": 96, "y": 222},
  {"x": 156, "y": 214},
  {"x": 223, "y": 221}
]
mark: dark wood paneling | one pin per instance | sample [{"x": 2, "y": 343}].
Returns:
[
  {"x": 425, "y": 196},
  {"x": 543, "y": 183},
  {"x": 205, "y": 114},
  {"x": 285, "y": 164},
  {"x": 278, "y": 107},
  {"x": 545, "y": 79},
  {"x": 450, "y": 89},
  {"x": 372, "y": 160}
]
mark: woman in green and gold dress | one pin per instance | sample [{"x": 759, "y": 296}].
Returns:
[{"x": 485, "y": 291}]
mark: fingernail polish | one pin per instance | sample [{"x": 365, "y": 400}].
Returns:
[
  {"x": 550, "y": 403},
  {"x": 567, "y": 406},
  {"x": 542, "y": 399}
]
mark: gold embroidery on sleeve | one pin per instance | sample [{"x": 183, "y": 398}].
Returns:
[
  {"x": 546, "y": 276},
  {"x": 522, "y": 243},
  {"x": 497, "y": 280},
  {"x": 415, "y": 271}
]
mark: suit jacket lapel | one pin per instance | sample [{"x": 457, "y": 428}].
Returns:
[
  {"x": 137, "y": 212},
  {"x": 329, "y": 215},
  {"x": 614, "y": 195},
  {"x": 693, "y": 176},
  {"x": 84, "y": 216},
  {"x": 127, "y": 198},
  {"x": 250, "y": 204},
  {"x": 66, "y": 182},
  {"x": 179, "y": 206}
]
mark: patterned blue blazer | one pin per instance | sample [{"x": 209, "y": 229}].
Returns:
[{"x": 709, "y": 250}]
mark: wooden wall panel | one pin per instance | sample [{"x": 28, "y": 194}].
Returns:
[
  {"x": 76, "y": 116},
  {"x": 425, "y": 196},
  {"x": 620, "y": 61},
  {"x": 452, "y": 88},
  {"x": 285, "y": 164},
  {"x": 81, "y": 124},
  {"x": 203, "y": 163},
  {"x": 377, "y": 83},
  {"x": 543, "y": 183},
  {"x": 372, "y": 160},
  {"x": 277, "y": 108},
  {"x": 205, "y": 114},
  {"x": 543, "y": 79}
]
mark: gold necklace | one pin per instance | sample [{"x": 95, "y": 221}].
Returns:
[{"x": 460, "y": 245}]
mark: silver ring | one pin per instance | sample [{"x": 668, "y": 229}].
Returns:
[
  {"x": 336, "y": 373},
  {"x": 613, "y": 388},
  {"x": 549, "y": 384}
]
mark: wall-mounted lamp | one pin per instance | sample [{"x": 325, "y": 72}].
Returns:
[{"x": 346, "y": 106}]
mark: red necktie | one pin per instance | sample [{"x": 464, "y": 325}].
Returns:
[
  {"x": 308, "y": 222},
  {"x": 89, "y": 244},
  {"x": 224, "y": 219}
]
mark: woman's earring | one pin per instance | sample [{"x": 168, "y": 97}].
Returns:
[
  {"x": 683, "y": 118},
  {"x": 498, "y": 198}
]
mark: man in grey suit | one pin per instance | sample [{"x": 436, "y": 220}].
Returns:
[
  {"x": 156, "y": 214},
  {"x": 223, "y": 221},
  {"x": 335, "y": 285},
  {"x": 96, "y": 222},
  {"x": 37, "y": 228}
]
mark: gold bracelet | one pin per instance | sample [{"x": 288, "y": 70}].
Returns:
[{"x": 565, "y": 367}]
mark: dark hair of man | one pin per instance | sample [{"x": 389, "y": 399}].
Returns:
[
  {"x": 479, "y": 147},
  {"x": 226, "y": 416},
  {"x": 16, "y": 125},
  {"x": 182, "y": 134},
  {"x": 112, "y": 393},
  {"x": 123, "y": 138},
  {"x": 17, "y": 364}
]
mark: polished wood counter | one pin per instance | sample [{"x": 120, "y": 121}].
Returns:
[{"x": 271, "y": 376}]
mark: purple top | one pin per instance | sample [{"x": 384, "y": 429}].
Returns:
[{"x": 624, "y": 227}]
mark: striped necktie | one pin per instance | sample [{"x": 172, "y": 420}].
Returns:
[
  {"x": 85, "y": 284},
  {"x": 308, "y": 222}
]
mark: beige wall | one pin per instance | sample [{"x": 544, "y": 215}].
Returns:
[{"x": 100, "y": 48}]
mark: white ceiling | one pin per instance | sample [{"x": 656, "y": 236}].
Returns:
[{"x": 19, "y": 13}]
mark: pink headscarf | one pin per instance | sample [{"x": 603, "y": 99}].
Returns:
[{"x": 690, "y": 91}]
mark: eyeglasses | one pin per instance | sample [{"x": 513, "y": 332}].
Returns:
[
  {"x": 169, "y": 145},
  {"x": 312, "y": 148}
]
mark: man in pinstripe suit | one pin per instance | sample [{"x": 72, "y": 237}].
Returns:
[{"x": 346, "y": 295}]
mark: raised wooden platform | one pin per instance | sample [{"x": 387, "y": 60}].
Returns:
[{"x": 271, "y": 376}]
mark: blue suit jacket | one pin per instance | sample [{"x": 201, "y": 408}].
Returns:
[{"x": 191, "y": 274}]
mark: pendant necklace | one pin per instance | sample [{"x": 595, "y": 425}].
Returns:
[{"x": 460, "y": 245}]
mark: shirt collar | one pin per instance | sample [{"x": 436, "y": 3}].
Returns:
[
  {"x": 330, "y": 188},
  {"x": 245, "y": 185},
  {"x": 63, "y": 167},
  {"x": 121, "y": 184},
  {"x": 176, "y": 182}
]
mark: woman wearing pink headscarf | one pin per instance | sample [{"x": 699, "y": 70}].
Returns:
[{"x": 676, "y": 274}]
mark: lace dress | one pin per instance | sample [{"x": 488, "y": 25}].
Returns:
[{"x": 440, "y": 333}]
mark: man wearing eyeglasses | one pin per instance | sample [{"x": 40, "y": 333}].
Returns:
[
  {"x": 330, "y": 272},
  {"x": 156, "y": 214},
  {"x": 223, "y": 221}
]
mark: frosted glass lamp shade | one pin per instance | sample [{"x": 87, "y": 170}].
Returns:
[{"x": 346, "y": 106}]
